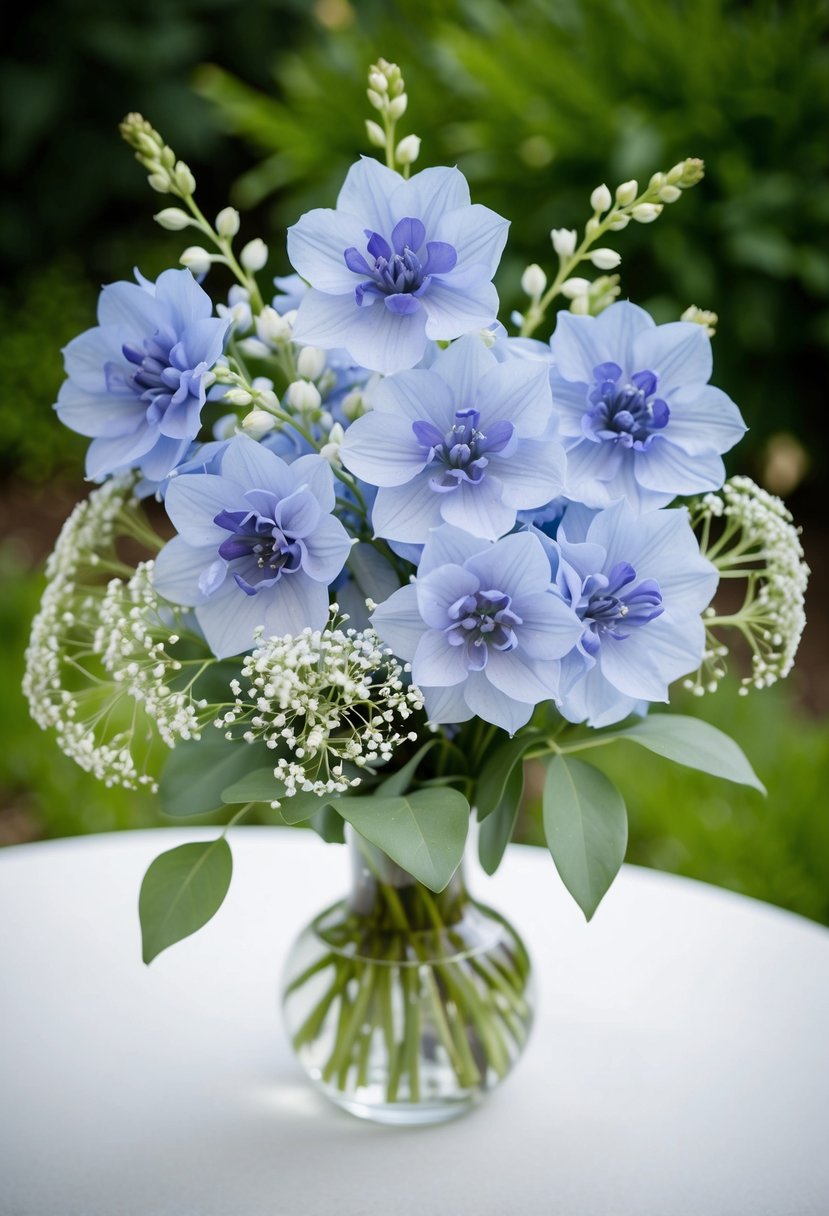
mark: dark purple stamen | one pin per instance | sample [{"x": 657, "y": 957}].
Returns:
[
  {"x": 460, "y": 453},
  {"x": 399, "y": 273},
  {"x": 482, "y": 620},
  {"x": 162, "y": 375},
  {"x": 628, "y": 413},
  {"x": 266, "y": 550},
  {"x": 613, "y": 604}
]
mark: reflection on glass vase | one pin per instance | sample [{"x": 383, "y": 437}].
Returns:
[{"x": 406, "y": 1006}]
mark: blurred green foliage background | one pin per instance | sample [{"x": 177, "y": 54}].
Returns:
[{"x": 537, "y": 102}]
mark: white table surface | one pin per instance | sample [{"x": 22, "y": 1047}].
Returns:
[{"x": 678, "y": 1066}]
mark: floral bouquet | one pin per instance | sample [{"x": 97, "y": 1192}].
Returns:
[{"x": 356, "y": 554}]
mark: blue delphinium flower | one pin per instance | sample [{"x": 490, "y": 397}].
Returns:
[
  {"x": 257, "y": 545},
  {"x": 137, "y": 381},
  {"x": 396, "y": 264},
  {"x": 482, "y": 626},
  {"x": 465, "y": 442},
  {"x": 638, "y": 584},
  {"x": 637, "y": 415}
]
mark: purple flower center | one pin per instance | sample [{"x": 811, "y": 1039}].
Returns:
[
  {"x": 482, "y": 620},
  {"x": 266, "y": 540},
  {"x": 611, "y": 605},
  {"x": 162, "y": 375},
  {"x": 625, "y": 412},
  {"x": 460, "y": 452},
  {"x": 399, "y": 271}
]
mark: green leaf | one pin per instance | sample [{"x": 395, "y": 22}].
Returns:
[
  {"x": 181, "y": 891},
  {"x": 303, "y": 806},
  {"x": 585, "y": 824},
  {"x": 423, "y": 832},
  {"x": 197, "y": 771},
  {"x": 328, "y": 824},
  {"x": 400, "y": 781},
  {"x": 258, "y": 786},
  {"x": 496, "y": 830},
  {"x": 496, "y": 772},
  {"x": 695, "y": 744}
]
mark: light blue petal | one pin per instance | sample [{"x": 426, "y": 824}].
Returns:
[
  {"x": 477, "y": 234},
  {"x": 436, "y": 663},
  {"x": 177, "y": 570},
  {"x": 85, "y": 356},
  {"x": 462, "y": 366},
  {"x": 181, "y": 421},
  {"x": 136, "y": 313},
  {"x": 325, "y": 321},
  {"x": 590, "y": 470},
  {"x": 449, "y": 546},
  {"x": 429, "y": 195},
  {"x": 580, "y": 344},
  {"x": 398, "y": 622},
  {"x": 326, "y": 550},
  {"x": 704, "y": 420},
  {"x": 478, "y": 509},
  {"x": 184, "y": 301},
  {"x": 164, "y": 456},
  {"x": 204, "y": 340},
  {"x": 517, "y": 566},
  {"x": 384, "y": 341},
  {"x": 493, "y": 704},
  {"x": 593, "y": 700},
  {"x": 570, "y": 404},
  {"x": 652, "y": 657},
  {"x": 519, "y": 393},
  {"x": 667, "y": 469},
  {"x": 315, "y": 473},
  {"x": 455, "y": 310},
  {"x": 194, "y": 499},
  {"x": 406, "y": 513},
  {"x": 548, "y": 629},
  {"x": 366, "y": 192},
  {"x": 618, "y": 328},
  {"x": 446, "y": 704},
  {"x": 316, "y": 245},
  {"x": 438, "y": 590},
  {"x": 105, "y": 456},
  {"x": 253, "y": 467},
  {"x": 418, "y": 396},
  {"x": 294, "y": 603},
  {"x": 679, "y": 353},
  {"x": 516, "y": 675},
  {"x": 382, "y": 449},
  {"x": 532, "y": 476},
  {"x": 95, "y": 414}
]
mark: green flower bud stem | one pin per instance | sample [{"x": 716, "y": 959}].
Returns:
[{"x": 596, "y": 228}]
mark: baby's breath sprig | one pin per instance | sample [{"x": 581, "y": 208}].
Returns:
[
  {"x": 610, "y": 214},
  {"x": 168, "y": 175},
  {"x": 335, "y": 699},
  {"x": 387, "y": 95},
  {"x": 701, "y": 316},
  {"x": 758, "y": 543},
  {"x": 102, "y": 666}
]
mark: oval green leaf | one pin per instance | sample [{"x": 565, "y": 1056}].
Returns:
[
  {"x": 197, "y": 771},
  {"x": 695, "y": 744},
  {"x": 496, "y": 830},
  {"x": 181, "y": 891}
]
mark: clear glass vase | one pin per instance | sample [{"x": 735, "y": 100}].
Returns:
[{"x": 406, "y": 1006}]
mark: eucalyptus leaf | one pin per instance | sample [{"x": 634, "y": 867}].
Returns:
[
  {"x": 181, "y": 891},
  {"x": 303, "y": 806},
  {"x": 197, "y": 771},
  {"x": 328, "y": 824},
  {"x": 696, "y": 744},
  {"x": 496, "y": 830},
  {"x": 496, "y": 772},
  {"x": 400, "y": 781},
  {"x": 259, "y": 786},
  {"x": 423, "y": 832},
  {"x": 585, "y": 824}
]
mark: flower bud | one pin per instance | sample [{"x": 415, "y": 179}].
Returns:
[
  {"x": 268, "y": 399},
  {"x": 627, "y": 192},
  {"x": 533, "y": 281},
  {"x": 564, "y": 241},
  {"x": 331, "y": 451},
  {"x": 600, "y": 199},
  {"x": 619, "y": 222},
  {"x": 580, "y": 305},
  {"x": 254, "y": 255},
  {"x": 669, "y": 194},
  {"x": 227, "y": 221},
  {"x": 687, "y": 173},
  {"x": 397, "y": 107},
  {"x": 254, "y": 348},
  {"x": 572, "y": 288},
  {"x": 408, "y": 150},
  {"x": 657, "y": 181},
  {"x": 376, "y": 99},
  {"x": 258, "y": 423},
  {"x": 310, "y": 362},
  {"x": 701, "y": 316},
  {"x": 196, "y": 259},
  {"x": 271, "y": 327},
  {"x": 592, "y": 226},
  {"x": 159, "y": 182},
  {"x": 238, "y": 396},
  {"x": 303, "y": 396},
  {"x": 605, "y": 259},
  {"x": 354, "y": 404},
  {"x": 646, "y": 213},
  {"x": 376, "y": 134},
  {"x": 183, "y": 178},
  {"x": 378, "y": 82},
  {"x": 173, "y": 219}
]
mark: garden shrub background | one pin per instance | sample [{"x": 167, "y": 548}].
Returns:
[{"x": 536, "y": 102}]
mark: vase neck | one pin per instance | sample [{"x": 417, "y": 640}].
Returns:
[{"x": 382, "y": 889}]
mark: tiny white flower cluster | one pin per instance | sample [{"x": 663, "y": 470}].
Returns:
[
  {"x": 333, "y": 698},
  {"x": 97, "y": 648},
  {"x": 758, "y": 543},
  {"x": 132, "y": 640}
]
